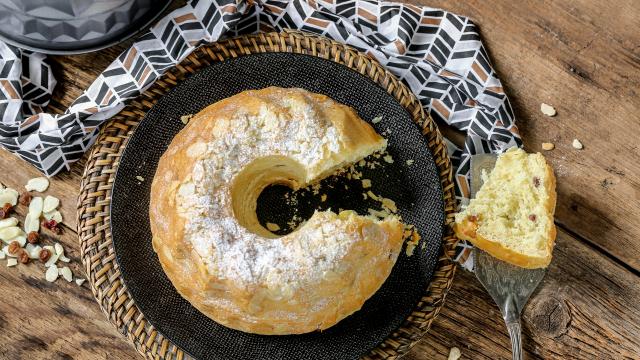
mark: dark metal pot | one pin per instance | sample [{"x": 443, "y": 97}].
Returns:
[{"x": 74, "y": 26}]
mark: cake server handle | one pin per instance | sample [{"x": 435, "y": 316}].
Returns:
[{"x": 512, "y": 320}]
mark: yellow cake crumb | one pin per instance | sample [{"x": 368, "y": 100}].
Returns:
[{"x": 273, "y": 227}]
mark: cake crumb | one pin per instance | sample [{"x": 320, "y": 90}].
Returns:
[
  {"x": 376, "y": 119},
  {"x": 323, "y": 197},
  {"x": 366, "y": 183},
  {"x": 273, "y": 227},
  {"x": 372, "y": 195},
  {"x": 389, "y": 204},
  {"x": 139, "y": 178},
  {"x": 409, "y": 162},
  {"x": 377, "y": 213},
  {"x": 388, "y": 159},
  {"x": 185, "y": 118},
  {"x": 414, "y": 238}
]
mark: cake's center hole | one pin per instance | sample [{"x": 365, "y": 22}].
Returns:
[
  {"x": 253, "y": 179},
  {"x": 268, "y": 201}
]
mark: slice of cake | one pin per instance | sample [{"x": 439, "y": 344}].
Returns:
[{"x": 511, "y": 216}]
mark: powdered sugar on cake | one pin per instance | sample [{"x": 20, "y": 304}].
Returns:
[{"x": 229, "y": 250}]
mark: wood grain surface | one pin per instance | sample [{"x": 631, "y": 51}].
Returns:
[{"x": 582, "y": 57}]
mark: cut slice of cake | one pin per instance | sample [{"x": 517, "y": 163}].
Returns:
[{"x": 511, "y": 216}]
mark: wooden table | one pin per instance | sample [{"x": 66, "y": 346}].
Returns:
[{"x": 583, "y": 57}]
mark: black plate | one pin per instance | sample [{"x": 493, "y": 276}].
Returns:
[{"x": 415, "y": 188}]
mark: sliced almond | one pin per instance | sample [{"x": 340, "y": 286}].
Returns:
[
  {"x": 50, "y": 203},
  {"x": 60, "y": 253},
  {"x": 31, "y": 223},
  {"x": 388, "y": 159},
  {"x": 577, "y": 144},
  {"x": 5, "y": 250},
  {"x": 52, "y": 260},
  {"x": 12, "y": 191},
  {"x": 39, "y": 184},
  {"x": 547, "y": 146},
  {"x": 9, "y": 233},
  {"x": 8, "y": 197},
  {"x": 35, "y": 206},
  {"x": 52, "y": 274},
  {"x": 59, "y": 249},
  {"x": 53, "y": 215},
  {"x": 66, "y": 273},
  {"x": 454, "y": 354},
  {"x": 376, "y": 119},
  {"x": 12, "y": 262},
  {"x": 79, "y": 282},
  {"x": 21, "y": 239},
  {"x": 33, "y": 251},
  {"x": 547, "y": 109},
  {"x": 8, "y": 222}
]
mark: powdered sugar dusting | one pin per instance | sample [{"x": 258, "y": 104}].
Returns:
[{"x": 230, "y": 250}]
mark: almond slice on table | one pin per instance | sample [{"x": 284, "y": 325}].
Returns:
[
  {"x": 53, "y": 215},
  {"x": 66, "y": 273},
  {"x": 36, "y": 205},
  {"x": 8, "y": 196},
  {"x": 548, "y": 110},
  {"x": 50, "y": 203},
  {"x": 577, "y": 144},
  {"x": 53, "y": 259},
  {"x": 21, "y": 239},
  {"x": 52, "y": 274},
  {"x": 8, "y": 222},
  {"x": 5, "y": 250},
  {"x": 79, "y": 282},
  {"x": 12, "y": 262},
  {"x": 31, "y": 222},
  {"x": 38, "y": 184},
  {"x": 33, "y": 251},
  {"x": 60, "y": 253},
  {"x": 9, "y": 233}
]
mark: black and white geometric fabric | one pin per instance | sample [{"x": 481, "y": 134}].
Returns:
[{"x": 439, "y": 55}]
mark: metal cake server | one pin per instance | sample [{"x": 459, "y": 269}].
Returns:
[{"x": 510, "y": 286}]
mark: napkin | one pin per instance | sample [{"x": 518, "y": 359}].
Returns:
[{"x": 438, "y": 54}]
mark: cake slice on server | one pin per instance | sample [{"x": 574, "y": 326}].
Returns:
[{"x": 511, "y": 217}]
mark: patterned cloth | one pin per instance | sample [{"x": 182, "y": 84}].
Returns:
[{"x": 439, "y": 55}]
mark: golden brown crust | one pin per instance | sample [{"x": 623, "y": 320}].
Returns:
[
  {"x": 467, "y": 230},
  {"x": 250, "y": 308}
]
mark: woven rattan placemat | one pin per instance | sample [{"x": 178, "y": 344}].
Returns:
[{"x": 94, "y": 202}]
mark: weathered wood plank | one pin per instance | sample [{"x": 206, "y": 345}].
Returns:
[
  {"x": 584, "y": 59},
  {"x": 585, "y": 308}
]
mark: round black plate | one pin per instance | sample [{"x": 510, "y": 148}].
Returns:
[{"x": 415, "y": 188}]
